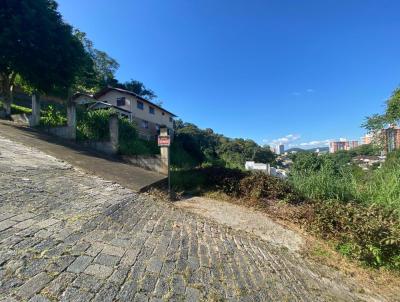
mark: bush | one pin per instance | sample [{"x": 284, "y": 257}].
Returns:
[
  {"x": 138, "y": 147},
  {"x": 262, "y": 186},
  {"x": 51, "y": 117},
  {"x": 234, "y": 183},
  {"x": 93, "y": 125},
  {"x": 208, "y": 179},
  {"x": 369, "y": 234},
  {"x": 188, "y": 181}
]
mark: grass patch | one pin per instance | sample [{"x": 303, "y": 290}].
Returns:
[{"x": 15, "y": 109}]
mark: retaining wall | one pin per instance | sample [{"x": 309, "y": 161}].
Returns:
[{"x": 152, "y": 163}]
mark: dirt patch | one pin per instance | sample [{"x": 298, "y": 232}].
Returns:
[{"x": 246, "y": 219}]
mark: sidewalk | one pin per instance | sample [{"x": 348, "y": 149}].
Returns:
[{"x": 107, "y": 167}]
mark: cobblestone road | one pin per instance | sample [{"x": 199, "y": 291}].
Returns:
[{"x": 66, "y": 235}]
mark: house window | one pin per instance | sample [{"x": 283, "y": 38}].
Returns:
[
  {"x": 121, "y": 101},
  {"x": 140, "y": 105},
  {"x": 163, "y": 113},
  {"x": 145, "y": 124},
  {"x": 170, "y": 119},
  {"x": 151, "y": 110}
]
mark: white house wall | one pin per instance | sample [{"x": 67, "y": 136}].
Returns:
[{"x": 131, "y": 105}]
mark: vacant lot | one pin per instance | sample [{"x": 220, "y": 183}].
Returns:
[{"x": 66, "y": 235}]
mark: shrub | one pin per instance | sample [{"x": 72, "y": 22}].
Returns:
[
  {"x": 180, "y": 158},
  {"x": 234, "y": 183},
  {"x": 262, "y": 186},
  {"x": 130, "y": 144},
  {"x": 188, "y": 180},
  {"x": 51, "y": 117},
  {"x": 138, "y": 147},
  {"x": 369, "y": 234},
  {"x": 93, "y": 125}
]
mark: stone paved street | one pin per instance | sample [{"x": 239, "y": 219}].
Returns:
[{"x": 69, "y": 236}]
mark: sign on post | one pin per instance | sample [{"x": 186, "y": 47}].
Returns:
[{"x": 164, "y": 141}]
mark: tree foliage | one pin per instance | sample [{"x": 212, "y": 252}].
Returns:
[
  {"x": 39, "y": 46},
  {"x": 391, "y": 115},
  {"x": 208, "y": 148},
  {"x": 137, "y": 87},
  {"x": 102, "y": 70}
]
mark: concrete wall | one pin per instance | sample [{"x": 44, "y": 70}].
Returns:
[
  {"x": 152, "y": 163},
  {"x": 62, "y": 131},
  {"x": 103, "y": 147},
  {"x": 21, "y": 118}
]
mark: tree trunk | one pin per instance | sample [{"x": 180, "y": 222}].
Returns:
[{"x": 7, "y": 88}]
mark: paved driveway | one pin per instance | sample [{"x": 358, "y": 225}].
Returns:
[{"x": 66, "y": 235}]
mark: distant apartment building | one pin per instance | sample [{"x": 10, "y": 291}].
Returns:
[
  {"x": 280, "y": 149},
  {"x": 367, "y": 139},
  {"x": 342, "y": 145},
  {"x": 390, "y": 138}
]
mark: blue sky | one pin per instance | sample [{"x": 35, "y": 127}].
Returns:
[{"x": 301, "y": 72}]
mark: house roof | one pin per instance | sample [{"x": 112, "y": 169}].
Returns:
[
  {"x": 87, "y": 97},
  {"x": 107, "y": 89},
  {"x": 100, "y": 104}
]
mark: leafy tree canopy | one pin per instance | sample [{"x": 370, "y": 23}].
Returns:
[
  {"x": 391, "y": 115},
  {"x": 38, "y": 45},
  {"x": 207, "y": 147},
  {"x": 102, "y": 71},
  {"x": 137, "y": 87}
]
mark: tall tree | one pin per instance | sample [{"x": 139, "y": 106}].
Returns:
[
  {"x": 138, "y": 88},
  {"x": 38, "y": 46},
  {"x": 391, "y": 115},
  {"x": 104, "y": 67}
]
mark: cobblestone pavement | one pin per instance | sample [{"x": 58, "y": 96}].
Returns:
[{"x": 69, "y": 236}]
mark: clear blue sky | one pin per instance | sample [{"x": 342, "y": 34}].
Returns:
[{"x": 304, "y": 70}]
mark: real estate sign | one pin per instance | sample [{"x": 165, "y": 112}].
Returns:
[{"x": 164, "y": 141}]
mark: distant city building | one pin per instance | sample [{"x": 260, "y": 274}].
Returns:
[
  {"x": 266, "y": 168},
  {"x": 367, "y": 139},
  {"x": 280, "y": 149},
  {"x": 390, "y": 138},
  {"x": 342, "y": 145},
  {"x": 251, "y": 165},
  {"x": 352, "y": 145}
]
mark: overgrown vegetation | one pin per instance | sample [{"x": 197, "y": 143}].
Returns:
[
  {"x": 368, "y": 233},
  {"x": 234, "y": 183},
  {"x": 52, "y": 117},
  {"x": 330, "y": 196},
  {"x": 94, "y": 126},
  {"x": 195, "y": 147},
  {"x": 359, "y": 210}
]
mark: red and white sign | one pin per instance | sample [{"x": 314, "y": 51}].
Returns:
[{"x": 164, "y": 141}]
